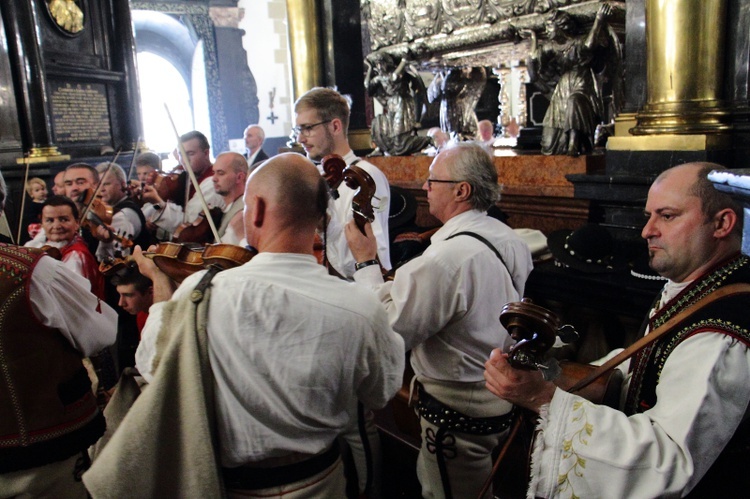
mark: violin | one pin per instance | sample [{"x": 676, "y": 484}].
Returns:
[
  {"x": 199, "y": 231},
  {"x": 179, "y": 260},
  {"x": 99, "y": 214},
  {"x": 168, "y": 186}
]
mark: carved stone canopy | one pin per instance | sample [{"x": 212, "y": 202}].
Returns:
[{"x": 436, "y": 34}]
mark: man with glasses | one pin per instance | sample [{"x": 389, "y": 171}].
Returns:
[
  {"x": 446, "y": 304},
  {"x": 322, "y": 124}
]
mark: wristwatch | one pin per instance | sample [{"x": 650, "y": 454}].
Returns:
[{"x": 366, "y": 263}]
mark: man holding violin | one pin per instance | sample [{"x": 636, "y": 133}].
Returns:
[
  {"x": 285, "y": 387},
  {"x": 127, "y": 220},
  {"x": 172, "y": 213}
]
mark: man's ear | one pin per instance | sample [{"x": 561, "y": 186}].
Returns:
[
  {"x": 724, "y": 222},
  {"x": 463, "y": 191},
  {"x": 338, "y": 127},
  {"x": 259, "y": 212}
]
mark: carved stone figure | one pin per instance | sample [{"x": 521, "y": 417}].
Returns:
[
  {"x": 572, "y": 70},
  {"x": 459, "y": 89},
  {"x": 398, "y": 88}
]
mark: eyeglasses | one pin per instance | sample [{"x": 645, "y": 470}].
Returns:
[
  {"x": 305, "y": 130},
  {"x": 431, "y": 181}
]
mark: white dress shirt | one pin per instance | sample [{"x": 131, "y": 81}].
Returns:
[
  {"x": 340, "y": 212},
  {"x": 446, "y": 303},
  {"x": 292, "y": 350},
  {"x": 172, "y": 214}
]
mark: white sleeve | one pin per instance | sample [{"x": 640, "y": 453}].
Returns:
[
  {"x": 415, "y": 310},
  {"x": 144, "y": 355},
  {"x": 61, "y": 299},
  {"x": 596, "y": 451},
  {"x": 125, "y": 223}
]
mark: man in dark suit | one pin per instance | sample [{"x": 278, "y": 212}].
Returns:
[{"x": 254, "y": 137}]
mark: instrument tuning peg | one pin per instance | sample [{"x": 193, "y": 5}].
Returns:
[
  {"x": 551, "y": 369},
  {"x": 567, "y": 333}
]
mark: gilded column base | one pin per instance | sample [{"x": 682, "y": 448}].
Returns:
[
  {"x": 623, "y": 123},
  {"x": 43, "y": 155},
  {"x": 710, "y": 117},
  {"x": 666, "y": 142}
]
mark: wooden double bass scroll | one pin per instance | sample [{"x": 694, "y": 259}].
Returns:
[{"x": 364, "y": 186}]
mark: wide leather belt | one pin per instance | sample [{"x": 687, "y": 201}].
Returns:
[
  {"x": 263, "y": 474},
  {"x": 444, "y": 416}
]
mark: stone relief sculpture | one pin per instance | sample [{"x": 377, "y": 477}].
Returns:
[
  {"x": 459, "y": 90},
  {"x": 400, "y": 90},
  {"x": 574, "y": 72}
]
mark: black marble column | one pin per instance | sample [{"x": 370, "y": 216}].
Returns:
[
  {"x": 29, "y": 73},
  {"x": 124, "y": 60}
]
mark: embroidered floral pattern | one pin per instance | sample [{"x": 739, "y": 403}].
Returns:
[{"x": 576, "y": 463}]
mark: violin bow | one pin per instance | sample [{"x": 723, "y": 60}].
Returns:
[
  {"x": 98, "y": 187},
  {"x": 23, "y": 198},
  {"x": 132, "y": 160},
  {"x": 194, "y": 180}
]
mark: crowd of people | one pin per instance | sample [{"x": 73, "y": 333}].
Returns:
[{"x": 287, "y": 358}]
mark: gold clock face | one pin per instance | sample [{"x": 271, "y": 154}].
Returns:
[{"x": 67, "y": 14}]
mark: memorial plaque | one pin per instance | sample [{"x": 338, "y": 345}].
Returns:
[{"x": 80, "y": 112}]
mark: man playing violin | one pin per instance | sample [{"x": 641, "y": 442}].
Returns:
[
  {"x": 682, "y": 428},
  {"x": 446, "y": 304},
  {"x": 48, "y": 413},
  {"x": 82, "y": 179},
  {"x": 172, "y": 214},
  {"x": 230, "y": 175},
  {"x": 285, "y": 387},
  {"x": 127, "y": 219}
]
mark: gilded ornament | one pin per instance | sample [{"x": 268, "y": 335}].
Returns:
[{"x": 67, "y": 14}]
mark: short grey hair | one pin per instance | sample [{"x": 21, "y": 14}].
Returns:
[
  {"x": 473, "y": 164},
  {"x": 116, "y": 171}
]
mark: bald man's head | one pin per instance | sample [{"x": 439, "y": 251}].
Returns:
[{"x": 291, "y": 187}]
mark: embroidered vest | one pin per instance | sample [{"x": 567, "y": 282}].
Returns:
[
  {"x": 91, "y": 269},
  {"x": 47, "y": 410},
  {"x": 728, "y": 316}
]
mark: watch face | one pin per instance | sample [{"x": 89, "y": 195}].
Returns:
[{"x": 67, "y": 14}]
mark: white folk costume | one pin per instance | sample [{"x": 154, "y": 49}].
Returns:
[
  {"x": 446, "y": 304},
  {"x": 170, "y": 216},
  {"x": 337, "y": 249},
  {"x": 292, "y": 350},
  {"x": 685, "y": 405}
]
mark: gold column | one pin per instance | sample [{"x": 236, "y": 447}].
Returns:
[
  {"x": 685, "y": 68},
  {"x": 304, "y": 45}
]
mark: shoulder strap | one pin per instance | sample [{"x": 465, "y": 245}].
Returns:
[
  {"x": 489, "y": 245},
  {"x": 644, "y": 341}
]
